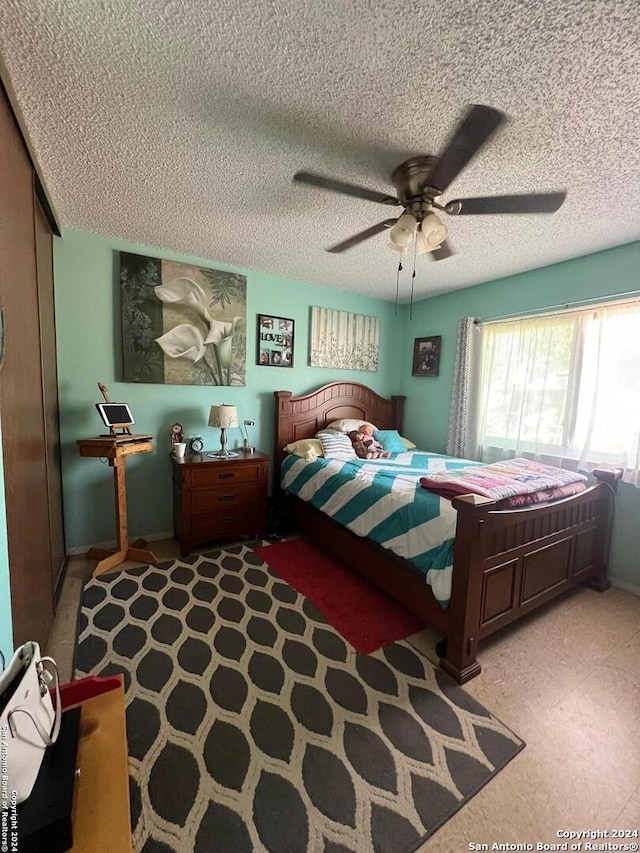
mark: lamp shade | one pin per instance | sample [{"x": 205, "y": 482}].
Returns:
[
  {"x": 223, "y": 416},
  {"x": 434, "y": 231},
  {"x": 403, "y": 232}
]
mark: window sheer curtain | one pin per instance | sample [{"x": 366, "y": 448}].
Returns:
[
  {"x": 527, "y": 385},
  {"x": 607, "y": 426},
  {"x": 564, "y": 388}
]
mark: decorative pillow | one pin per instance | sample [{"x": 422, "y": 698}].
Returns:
[
  {"x": 390, "y": 439},
  {"x": 307, "y": 448},
  {"x": 346, "y": 425},
  {"x": 337, "y": 445},
  {"x": 408, "y": 444}
]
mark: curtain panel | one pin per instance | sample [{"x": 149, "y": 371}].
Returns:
[{"x": 462, "y": 440}]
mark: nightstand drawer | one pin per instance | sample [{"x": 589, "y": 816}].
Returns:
[
  {"x": 241, "y": 518},
  {"x": 226, "y": 496},
  {"x": 226, "y": 473}
]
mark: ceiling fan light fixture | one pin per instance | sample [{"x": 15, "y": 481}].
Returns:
[
  {"x": 433, "y": 232},
  {"x": 403, "y": 232},
  {"x": 422, "y": 245}
]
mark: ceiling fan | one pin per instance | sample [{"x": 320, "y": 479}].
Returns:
[{"x": 420, "y": 182}]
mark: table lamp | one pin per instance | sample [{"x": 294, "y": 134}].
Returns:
[{"x": 223, "y": 417}]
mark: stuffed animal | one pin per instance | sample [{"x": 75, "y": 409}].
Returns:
[
  {"x": 365, "y": 445},
  {"x": 358, "y": 444}
]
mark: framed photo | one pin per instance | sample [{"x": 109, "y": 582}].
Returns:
[
  {"x": 426, "y": 356},
  {"x": 275, "y": 341}
]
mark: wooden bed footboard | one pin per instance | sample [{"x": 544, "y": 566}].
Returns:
[{"x": 507, "y": 563}]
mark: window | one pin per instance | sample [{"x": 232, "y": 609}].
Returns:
[{"x": 565, "y": 386}]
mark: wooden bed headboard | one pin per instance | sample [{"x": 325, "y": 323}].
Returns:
[{"x": 302, "y": 417}]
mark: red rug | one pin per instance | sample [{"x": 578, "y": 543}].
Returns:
[{"x": 361, "y": 613}]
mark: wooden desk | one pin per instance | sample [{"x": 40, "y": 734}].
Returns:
[{"x": 116, "y": 450}]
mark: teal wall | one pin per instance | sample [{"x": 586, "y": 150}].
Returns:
[
  {"x": 427, "y": 410},
  {"x": 88, "y": 323},
  {"x": 6, "y": 637}
]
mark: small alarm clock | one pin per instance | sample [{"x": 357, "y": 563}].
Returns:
[{"x": 196, "y": 444}]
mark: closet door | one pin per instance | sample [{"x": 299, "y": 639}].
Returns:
[
  {"x": 21, "y": 400},
  {"x": 46, "y": 307}
]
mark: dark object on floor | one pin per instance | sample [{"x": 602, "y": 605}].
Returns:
[
  {"x": 281, "y": 522},
  {"x": 364, "y": 616},
  {"x": 44, "y": 820},
  {"x": 244, "y": 706}
]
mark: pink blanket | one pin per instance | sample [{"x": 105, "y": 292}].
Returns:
[
  {"x": 500, "y": 479},
  {"x": 542, "y": 496}
]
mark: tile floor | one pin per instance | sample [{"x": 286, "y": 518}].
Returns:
[{"x": 566, "y": 679}]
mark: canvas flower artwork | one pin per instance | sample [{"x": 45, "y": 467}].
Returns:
[
  {"x": 182, "y": 324},
  {"x": 343, "y": 340}
]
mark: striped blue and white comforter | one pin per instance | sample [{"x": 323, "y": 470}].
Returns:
[{"x": 382, "y": 500}]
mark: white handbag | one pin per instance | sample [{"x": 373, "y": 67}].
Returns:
[{"x": 28, "y": 721}]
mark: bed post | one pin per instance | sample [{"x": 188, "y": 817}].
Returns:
[
  {"x": 466, "y": 591},
  {"x": 609, "y": 478},
  {"x": 398, "y": 411},
  {"x": 281, "y": 436}
]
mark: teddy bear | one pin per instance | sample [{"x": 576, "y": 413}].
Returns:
[{"x": 365, "y": 445}]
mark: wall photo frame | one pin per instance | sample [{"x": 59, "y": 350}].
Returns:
[
  {"x": 426, "y": 356},
  {"x": 275, "y": 341}
]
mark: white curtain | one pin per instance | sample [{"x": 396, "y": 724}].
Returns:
[
  {"x": 565, "y": 389},
  {"x": 526, "y": 386},
  {"x": 462, "y": 439},
  {"x": 607, "y": 426}
]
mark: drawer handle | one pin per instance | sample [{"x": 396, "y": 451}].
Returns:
[
  {"x": 226, "y": 520},
  {"x": 226, "y": 475},
  {"x": 227, "y": 497}
]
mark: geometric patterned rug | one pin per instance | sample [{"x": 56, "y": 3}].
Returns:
[{"x": 253, "y": 726}]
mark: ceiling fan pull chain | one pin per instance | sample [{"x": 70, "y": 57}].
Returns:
[
  {"x": 413, "y": 280},
  {"x": 413, "y": 277},
  {"x": 395, "y": 310}
]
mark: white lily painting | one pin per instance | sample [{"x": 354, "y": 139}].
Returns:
[{"x": 182, "y": 324}]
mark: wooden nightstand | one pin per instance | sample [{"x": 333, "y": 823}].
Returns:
[{"x": 214, "y": 498}]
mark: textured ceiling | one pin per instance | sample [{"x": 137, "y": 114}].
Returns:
[{"x": 179, "y": 123}]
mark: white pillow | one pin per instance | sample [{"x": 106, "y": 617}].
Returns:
[
  {"x": 337, "y": 445},
  {"x": 306, "y": 448},
  {"x": 407, "y": 443},
  {"x": 347, "y": 424}
]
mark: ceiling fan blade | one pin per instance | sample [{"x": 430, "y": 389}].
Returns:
[
  {"x": 442, "y": 252},
  {"x": 525, "y": 203},
  {"x": 363, "y": 235},
  {"x": 343, "y": 188},
  {"x": 475, "y": 129}
]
